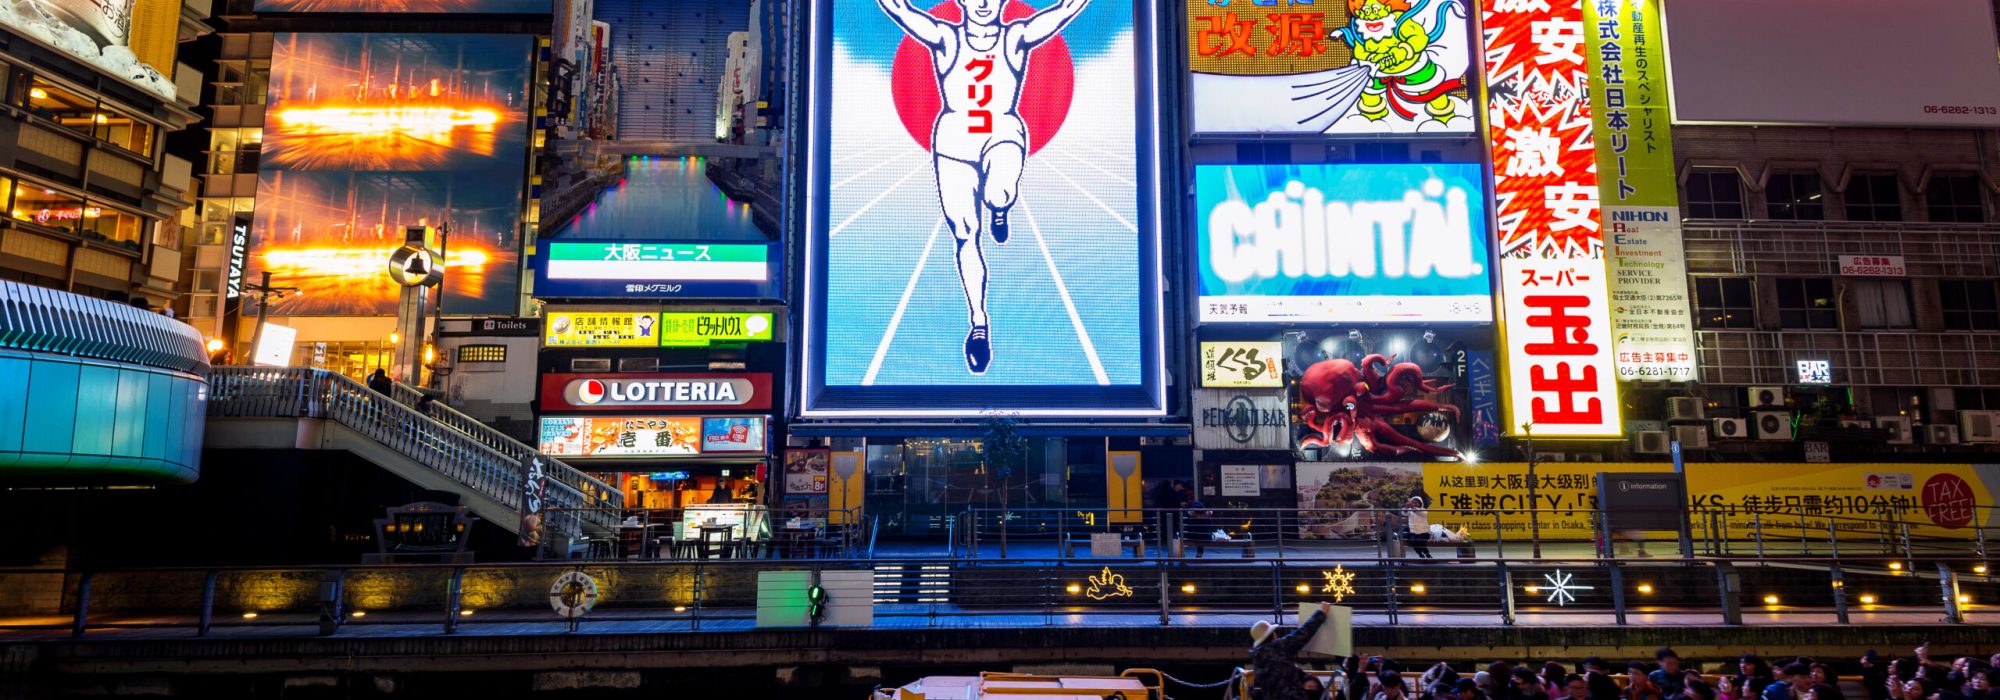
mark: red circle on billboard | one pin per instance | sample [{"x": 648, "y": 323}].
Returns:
[
  {"x": 592, "y": 391},
  {"x": 1948, "y": 501},
  {"x": 1045, "y": 91}
]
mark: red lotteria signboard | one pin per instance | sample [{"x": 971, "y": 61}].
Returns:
[
  {"x": 656, "y": 392},
  {"x": 1559, "y": 345}
]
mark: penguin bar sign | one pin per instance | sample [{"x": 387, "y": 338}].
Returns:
[{"x": 624, "y": 392}]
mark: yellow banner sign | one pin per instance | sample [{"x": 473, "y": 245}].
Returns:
[
  {"x": 1233, "y": 365},
  {"x": 602, "y": 329}
]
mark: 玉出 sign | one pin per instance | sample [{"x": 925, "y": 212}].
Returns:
[
  {"x": 1872, "y": 266},
  {"x": 616, "y": 392},
  {"x": 1244, "y": 364},
  {"x": 1559, "y": 341},
  {"x": 1342, "y": 243},
  {"x": 1230, "y": 419},
  {"x": 622, "y": 270}
]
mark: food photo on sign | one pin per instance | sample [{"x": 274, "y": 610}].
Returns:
[
  {"x": 806, "y": 471},
  {"x": 1382, "y": 394}
]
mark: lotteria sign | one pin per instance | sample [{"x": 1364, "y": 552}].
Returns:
[
  {"x": 1343, "y": 243},
  {"x": 622, "y": 392}
]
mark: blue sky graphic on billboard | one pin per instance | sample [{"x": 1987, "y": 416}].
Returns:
[
  {"x": 1342, "y": 243},
  {"x": 367, "y": 134},
  {"x": 983, "y": 183}
]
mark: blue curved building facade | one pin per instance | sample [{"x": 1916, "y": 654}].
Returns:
[{"x": 97, "y": 393}]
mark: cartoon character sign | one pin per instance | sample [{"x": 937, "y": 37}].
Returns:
[
  {"x": 1382, "y": 394},
  {"x": 1393, "y": 66}
]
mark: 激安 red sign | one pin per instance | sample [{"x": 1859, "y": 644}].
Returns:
[
  {"x": 1553, "y": 276},
  {"x": 1872, "y": 266},
  {"x": 654, "y": 392}
]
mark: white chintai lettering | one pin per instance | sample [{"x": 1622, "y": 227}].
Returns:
[{"x": 1297, "y": 233}]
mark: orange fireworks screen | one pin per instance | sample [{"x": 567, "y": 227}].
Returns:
[{"x": 368, "y": 134}]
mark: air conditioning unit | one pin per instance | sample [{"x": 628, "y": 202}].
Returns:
[
  {"x": 1772, "y": 425},
  {"x": 1979, "y": 426},
  {"x": 1551, "y": 457},
  {"x": 1691, "y": 437},
  {"x": 1684, "y": 408},
  {"x": 1732, "y": 429},
  {"x": 1855, "y": 423},
  {"x": 1935, "y": 434},
  {"x": 1766, "y": 396},
  {"x": 1649, "y": 442},
  {"x": 1898, "y": 428}
]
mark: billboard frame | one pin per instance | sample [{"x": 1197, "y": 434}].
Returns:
[{"x": 810, "y": 207}]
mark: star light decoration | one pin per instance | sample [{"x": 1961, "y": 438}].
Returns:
[
  {"x": 1339, "y": 582},
  {"x": 1562, "y": 587}
]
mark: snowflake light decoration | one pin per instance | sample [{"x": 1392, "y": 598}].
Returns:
[
  {"x": 1562, "y": 587},
  {"x": 1339, "y": 582}
]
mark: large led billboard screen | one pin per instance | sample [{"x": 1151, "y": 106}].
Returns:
[
  {"x": 1802, "y": 62},
  {"x": 1342, "y": 243},
  {"x": 540, "y": 7},
  {"x": 367, "y": 134},
  {"x": 1392, "y": 67},
  {"x": 97, "y": 31},
  {"x": 982, "y": 232}
]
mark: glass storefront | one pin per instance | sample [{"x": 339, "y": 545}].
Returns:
[{"x": 916, "y": 484}]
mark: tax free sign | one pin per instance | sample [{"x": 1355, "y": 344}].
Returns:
[{"x": 1343, "y": 243}]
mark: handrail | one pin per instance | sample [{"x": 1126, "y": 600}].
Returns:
[
  {"x": 598, "y": 493},
  {"x": 293, "y": 392},
  {"x": 49, "y": 320}
]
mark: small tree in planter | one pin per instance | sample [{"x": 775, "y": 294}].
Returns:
[{"x": 1001, "y": 449}]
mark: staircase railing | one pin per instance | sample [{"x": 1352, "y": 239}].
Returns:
[
  {"x": 598, "y": 494},
  {"x": 464, "y": 450}
]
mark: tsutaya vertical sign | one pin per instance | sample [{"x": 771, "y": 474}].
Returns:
[
  {"x": 1553, "y": 288},
  {"x": 1651, "y": 324}
]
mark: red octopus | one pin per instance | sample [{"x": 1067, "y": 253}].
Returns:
[{"x": 1344, "y": 403}]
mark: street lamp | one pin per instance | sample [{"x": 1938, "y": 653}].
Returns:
[{"x": 264, "y": 292}]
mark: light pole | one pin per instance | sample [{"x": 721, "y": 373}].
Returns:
[
  {"x": 1534, "y": 503},
  {"x": 264, "y": 292}
]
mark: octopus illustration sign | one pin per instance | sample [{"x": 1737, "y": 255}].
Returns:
[
  {"x": 1334, "y": 67},
  {"x": 981, "y": 192},
  {"x": 1381, "y": 394},
  {"x": 1559, "y": 348}
]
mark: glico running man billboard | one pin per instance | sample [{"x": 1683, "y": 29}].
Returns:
[
  {"x": 367, "y": 134},
  {"x": 981, "y": 192},
  {"x": 1342, "y": 243}
]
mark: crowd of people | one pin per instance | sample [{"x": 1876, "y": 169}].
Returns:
[{"x": 1275, "y": 675}]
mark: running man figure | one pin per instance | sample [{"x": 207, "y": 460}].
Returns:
[{"x": 979, "y": 141}]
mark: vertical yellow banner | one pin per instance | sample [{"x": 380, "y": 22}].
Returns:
[{"x": 1124, "y": 488}]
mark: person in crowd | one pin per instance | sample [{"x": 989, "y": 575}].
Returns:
[
  {"x": 1575, "y": 687},
  {"x": 1694, "y": 688},
  {"x": 379, "y": 381},
  {"x": 1500, "y": 674},
  {"x": 1752, "y": 676},
  {"x": 1528, "y": 686},
  {"x": 1669, "y": 676},
  {"x": 1781, "y": 681},
  {"x": 1639, "y": 683},
  {"x": 1874, "y": 674},
  {"x": 1823, "y": 676},
  {"x": 1597, "y": 674},
  {"x": 1392, "y": 686},
  {"x": 1274, "y": 662},
  {"x": 1440, "y": 681},
  {"x": 1468, "y": 690},
  {"x": 1553, "y": 675},
  {"x": 1725, "y": 689}
]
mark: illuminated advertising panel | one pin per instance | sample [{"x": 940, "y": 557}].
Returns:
[
  {"x": 701, "y": 328},
  {"x": 1390, "y": 67},
  {"x": 541, "y": 7},
  {"x": 1385, "y": 393},
  {"x": 1560, "y": 374},
  {"x": 1639, "y": 188},
  {"x": 622, "y": 270},
  {"x": 367, "y": 134},
  {"x": 1342, "y": 243},
  {"x": 621, "y": 436},
  {"x": 630, "y": 392},
  {"x": 95, "y": 31},
  {"x": 741, "y": 434},
  {"x": 645, "y": 329},
  {"x": 980, "y": 188},
  {"x": 1242, "y": 365}
]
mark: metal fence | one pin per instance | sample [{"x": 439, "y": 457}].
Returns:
[{"x": 1039, "y": 592}]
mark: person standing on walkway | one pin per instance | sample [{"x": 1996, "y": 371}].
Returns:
[
  {"x": 379, "y": 381},
  {"x": 1417, "y": 532},
  {"x": 1274, "y": 665}
]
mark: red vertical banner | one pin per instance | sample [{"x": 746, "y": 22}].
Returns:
[{"x": 1557, "y": 323}]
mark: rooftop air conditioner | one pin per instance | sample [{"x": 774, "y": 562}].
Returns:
[
  {"x": 1979, "y": 426},
  {"x": 1855, "y": 423},
  {"x": 1684, "y": 408},
  {"x": 1649, "y": 442},
  {"x": 1766, "y": 396},
  {"x": 1691, "y": 437},
  {"x": 1732, "y": 428},
  {"x": 1772, "y": 425},
  {"x": 1935, "y": 434},
  {"x": 1898, "y": 428}
]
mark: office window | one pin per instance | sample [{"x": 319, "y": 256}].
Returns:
[
  {"x": 1807, "y": 304},
  {"x": 1714, "y": 193},
  {"x": 1956, "y": 198},
  {"x": 1882, "y": 303},
  {"x": 1796, "y": 196},
  {"x": 1724, "y": 302},
  {"x": 1874, "y": 197},
  {"x": 482, "y": 353},
  {"x": 1969, "y": 305}
]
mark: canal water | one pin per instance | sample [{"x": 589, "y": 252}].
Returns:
[{"x": 664, "y": 199}]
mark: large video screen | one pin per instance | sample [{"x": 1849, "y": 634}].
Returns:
[
  {"x": 1392, "y": 67},
  {"x": 1342, "y": 243},
  {"x": 982, "y": 186},
  {"x": 399, "y": 6},
  {"x": 367, "y": 134}
]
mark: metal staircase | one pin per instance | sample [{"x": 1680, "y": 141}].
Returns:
[
  {"x": 912, "y": 583},
  {"x": 445, "y": 449}
]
